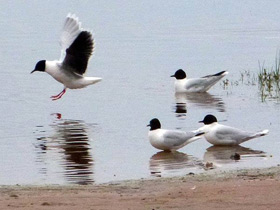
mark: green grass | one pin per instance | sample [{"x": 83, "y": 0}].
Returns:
[{"x": 269, "y": 80}]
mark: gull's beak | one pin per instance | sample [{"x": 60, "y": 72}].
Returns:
[
  {"x": 148, "y": 125},
  {"x": 172, "y": 75},
  {"x": 201, "y": 121},
  {"x": 33, "y": 71}
]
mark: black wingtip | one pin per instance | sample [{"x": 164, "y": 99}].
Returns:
[
  {"x": 199, "y": 134},
  {"x": 220, "y": 73}
]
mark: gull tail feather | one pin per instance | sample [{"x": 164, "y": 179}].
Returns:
[
  {"x": 195, "y": 138},
  {"x": 256, "y": 135},
  {"x": 259, "y": 134},
  {"x": 263, "y": 133}
]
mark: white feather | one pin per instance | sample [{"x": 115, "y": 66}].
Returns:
[
  {"x": 222, "y": 135},
  {"x": 169, "y": 140},
  {"x": 71, "y": 29},
  {"x": 197, "y": 85}
]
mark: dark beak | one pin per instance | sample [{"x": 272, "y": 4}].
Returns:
[
  {"x": 33, "y": 71},
  {"x": 149, "y": 125},
  {"x": 172, "y": 76},
  {"x": 201, "y": 121}
]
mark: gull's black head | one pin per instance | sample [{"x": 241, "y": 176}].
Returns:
[
  {"x": 179, "y": 74},
  {"x": 209, "y": 119},
  {"x": 40, "y": 66},
  {"x": 154, "y": 124}
]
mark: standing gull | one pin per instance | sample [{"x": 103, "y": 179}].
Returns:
[
  {"x": 222, "y": 135},
  {"x": 77, "y": 46},
  {"x": 170, "y": 140}
]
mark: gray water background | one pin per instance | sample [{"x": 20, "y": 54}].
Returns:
[{"x": 99, "y": 134}]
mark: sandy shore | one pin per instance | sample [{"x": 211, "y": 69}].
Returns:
[{"x": 244, "y": 189}]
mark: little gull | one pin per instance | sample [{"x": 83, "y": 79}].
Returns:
[
  {"x": 222, "y": 135},
  {"x": 77, "y": 46},
  {"x": 195, "y": 85},
  {"x": 170, "y": 140}
]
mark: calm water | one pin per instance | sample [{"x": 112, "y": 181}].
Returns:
[{"x": 99, "y": 134}]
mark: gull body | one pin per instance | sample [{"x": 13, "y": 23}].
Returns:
[
  {"x": 70, "y": 79},
  {"x": 77, "y": 47},
  {"x": 222, "y": 135},
  {"x": 195, "y": 85},
  {"x": 170, "y": 140}
]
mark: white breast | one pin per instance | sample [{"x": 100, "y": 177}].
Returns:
[
  {"x": 156, "y": 139},
  {"x": 53, "y": 69},
  {"x": 210, "y": 133},
  {"x": 180, "y": 86}
]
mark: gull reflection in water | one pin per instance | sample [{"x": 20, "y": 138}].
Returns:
[
  {"x": 225, "y": 154},
  {"x": 71, "y": 140},
  {"x": 170, "y": 163},
  {"x": 74, "y": 141},
  {"x": 203, "y": 100}
]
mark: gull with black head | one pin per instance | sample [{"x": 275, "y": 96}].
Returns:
[
  {"x": 195, "y": 85},
  {"x": 170, "y": 140},
  {"x": 223, "y": 135},
  {"x": 77, "y": 47}
]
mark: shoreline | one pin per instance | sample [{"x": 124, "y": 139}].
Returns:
[{"x": 239, "y": 189}]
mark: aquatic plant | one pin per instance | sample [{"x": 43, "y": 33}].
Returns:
[
  {"x": 246, "y": 78},
  {"x": 269, "y": 80}
]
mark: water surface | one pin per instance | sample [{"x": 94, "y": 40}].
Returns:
[{"x": 99, "y": 134}]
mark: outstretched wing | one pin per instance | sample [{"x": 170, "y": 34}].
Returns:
[
  {"x": 70, "y": 31},
  {"x": 77, "y": 44},
  {"x": 78, "y": 54}
]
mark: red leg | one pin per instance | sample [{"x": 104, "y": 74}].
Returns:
[
  {"x": 57, "y": 115},
  {"x": 56, "y": 95},
  {"x": 59, "y": 95}
]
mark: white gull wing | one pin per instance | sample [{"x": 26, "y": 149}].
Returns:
[
  {"x": 218, "y": 134},
  {"x": 70, "y": 31},
  {"x": 176, "y": 139},
  {"x": 205, "y": 83},
  {"x": 77, "y": 46},
  {"x": 198, "y": 85}
]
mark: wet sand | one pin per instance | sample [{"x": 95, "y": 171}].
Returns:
[{"x": 244, "y": 189}]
